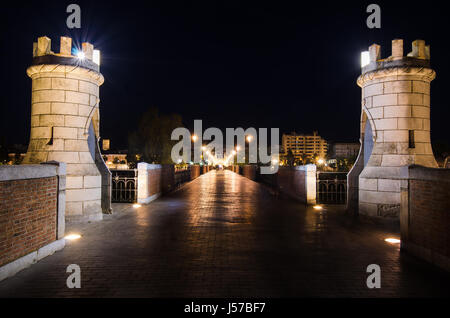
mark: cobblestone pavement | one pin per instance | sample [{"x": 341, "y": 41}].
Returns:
[{"x": 223, "y": 235}]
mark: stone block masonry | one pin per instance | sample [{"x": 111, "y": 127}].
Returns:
[
  {"x": 64, "y": 112},
  {"x": 395, "y": 127},
  {"x": 425, "y": 214},
  {"x": 32, "y": 203}
]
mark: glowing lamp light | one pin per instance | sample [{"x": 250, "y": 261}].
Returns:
[
  {"x": 72, "y": 237},
  {"x": 136, "y": 205},
  {"x": 392, "y": 240},
  {"x": 234, "y": 152},
  {"x": 194, "y": 138},
  {"x": 96, "y": 57},
  {"x": 203, "y": 148},
  {"x": 365, "y": 58},
  {"x": 238, "y": 148},
  {"x": 320, "y": 161},
  {"x": 317, "y": 207},
  {"x": 81, "y": 55},
  {"x": 249, "y": 138}
]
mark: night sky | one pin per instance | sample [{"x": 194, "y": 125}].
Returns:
[{"x": 258, "y": 64}]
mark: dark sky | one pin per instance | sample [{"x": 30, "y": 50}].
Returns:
[{"x": 230, "y": 63}]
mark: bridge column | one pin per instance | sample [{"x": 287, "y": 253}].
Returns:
[
  {"x": 395, "y": 126},
  {"x": 65, "y": 121}
]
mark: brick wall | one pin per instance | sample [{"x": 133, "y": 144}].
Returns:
[
  {"x": 154, "y": 181},
  {"x": 32, "y": 206},
  {"x": 249, "y": 171},
  {"x": 28, "y": 213},
  {"x": 292, "y": 182},
  {"x": 167, "y": 178},
  {"x": 195, "y": 172},
  {"x": 205, "y": 169},
  {"x": 425, "y": 214},
  {"x": 297, "y": 182}
]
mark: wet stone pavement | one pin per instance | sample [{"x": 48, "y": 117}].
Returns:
[{"x": 223, "y": 235}]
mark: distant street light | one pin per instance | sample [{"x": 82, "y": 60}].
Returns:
[
  {"x": 249, "y": 138},
  {"x": 194, "y": 138}
]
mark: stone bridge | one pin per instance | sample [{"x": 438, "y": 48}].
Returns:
[{"x": 224, "y": 235}]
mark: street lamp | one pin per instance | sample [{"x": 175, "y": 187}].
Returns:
[
  {"x": 80, "y": 55},
  {"x": 365, "y": 58}
]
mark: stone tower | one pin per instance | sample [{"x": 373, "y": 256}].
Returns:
[
  {"x": 395, "y": 126},
  {"x": 65, "y": 121}
]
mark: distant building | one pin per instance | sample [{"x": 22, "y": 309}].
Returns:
[
  {"x": 344, "y": 150},
  {"x": 105, "y": 144},
  {"x": 303, "y": 145},
  {"x": 115, "y": 159}
]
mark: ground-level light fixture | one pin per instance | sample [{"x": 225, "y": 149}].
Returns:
[
  {"x": 72, "y": 237},
  {"x": 392, "y": 240},
  {"x": 136, "y": 205},
  {"x": 317, "y": 207}
]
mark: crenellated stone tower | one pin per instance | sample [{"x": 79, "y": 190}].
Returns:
[
  {"x": 65, "y": 121},
  {"x": 395, "y": 126}
]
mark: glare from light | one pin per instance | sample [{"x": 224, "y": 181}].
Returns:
[
  {"x": 238, "y": 148},
  {"x": 72, "y": 237},
  {"x": 234, "y": 152},
  {"x": 320, "y": 161},
  {"x": 274, "y": 161},
  {"x": 81, "y": 55},
  {"x": 203, "y": 148},
  {"x": 249, "y": 138},
  {"x": 194, "y": 138},
  {"x": 136, "y": 205},
  {"x": 96, "y": 57},
  {"x": 365, "y": 58},
  {"x": 392, "y": 240},
  {"x": 317, "y": 207}
]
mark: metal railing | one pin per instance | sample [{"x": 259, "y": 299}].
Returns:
[
  {"x": 124, "y": 186},
  {"x": 331, "y": 187}
]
